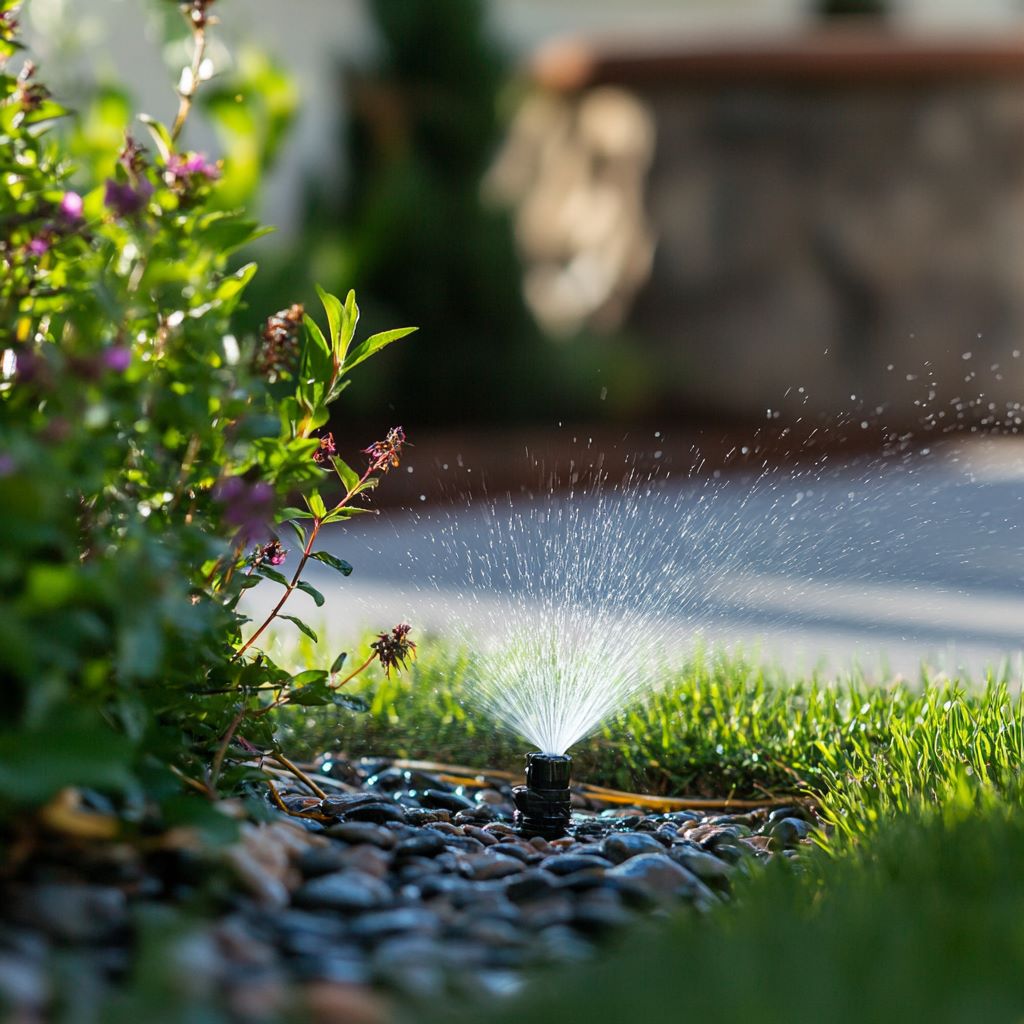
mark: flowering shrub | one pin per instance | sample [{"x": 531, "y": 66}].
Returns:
[{"x": 149, "y": 459}]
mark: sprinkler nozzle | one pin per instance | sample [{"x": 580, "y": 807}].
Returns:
[{"x": 543, "y": 806}]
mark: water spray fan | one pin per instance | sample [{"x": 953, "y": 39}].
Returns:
[{"x": 543, "y": 805}]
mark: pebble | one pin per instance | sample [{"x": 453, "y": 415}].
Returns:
[
  {"x": 362, "y": 832},
  {"x": 660, "y": 875},
  {"x": 570, "y": 863},
  {"x": 71, "y": 912},
  {"x": 787, "y": 832},
  {"x": 620, "y": 847},
  {"x": 377, "y": 813},
  {"x": 346, "y": 891},
  {"x": 404, "y": 920},
  {"x": 705, "y": 866},
  {"x": 438, "y": 799},
  {"x": 529, "y": 885},
  {"x": 370, "y": 859},
  {"x": 416, "y": 881},
  {"x": 482, "y": 835},
  {"x": 427, "y": 844},
  {"x": 484, "y": 866}
]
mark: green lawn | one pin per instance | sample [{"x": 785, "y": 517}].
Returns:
[
  {"x": 912, "y": 911},
  {"x": 718, "y": 726}
]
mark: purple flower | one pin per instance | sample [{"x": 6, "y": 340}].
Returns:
[
  {"x": 39, "y": 245},
  {"x": 125, "y": 199},
  {"x": 271, "y": 553},
  {"x": 249, "y": 506},
  {"x": 117, "y": 358},
  {"x": 71, "y": 206},
  {"x": 185, "y": 169}
]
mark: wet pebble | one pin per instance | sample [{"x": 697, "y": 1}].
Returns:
[
  {"x": 438, "y": 799},
  {"x": 485, "y": 866},
  {"x": 345, "y": 891},
  {"x": 662, "y": 876},
  {"x": 787, "y": 832},
  {"x": 362, "y": 832},
  {"x": 621, "y": 846},
  {"x": 427, "y": 844},
  {"x": 570, "y": 863},
  {"x": 377, "y": 813}
]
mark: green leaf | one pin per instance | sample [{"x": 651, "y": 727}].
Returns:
[
  {"x": 272, "y": 574},
  {"x": 300, "y": 533},
  {"x": 313, "y": 695},
  {"x": 308, "y": 588},
  {"x": 315, "y": 334},
  {"x": 302, "y": 626},
  {"x": 335, "y": 316},
  {"x": 351, "y": 702},
  {"x": 335, "y": 563},
  {"x": 310, "y": 675},
  {"x": 76, "y": 748},
  {"x": 339, "y": 661},
  {"x": 229, "y": 292},
  {"x": 214, "y": 826},
  {"x": 161, "y": 136},
  {"x": 346, "y": 474},
  {"x": 316, "y": 504},
  {"x": 374, "y": 344},
  {"x": 348, "y": 328},
  {"x": 293, "y": 513}
]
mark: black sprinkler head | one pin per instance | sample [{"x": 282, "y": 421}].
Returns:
[{"x": 543, "y": 805}]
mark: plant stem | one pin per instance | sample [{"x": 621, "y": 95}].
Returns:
[
  {"x": 186, "y": 96},
  {"x": 365, "y": 665},
  {"x": 218, "y": 759},
  {"x": 306, "y": 553},
  {"x": 300, "y": 775}
]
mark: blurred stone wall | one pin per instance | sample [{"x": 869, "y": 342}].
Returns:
[
  {"x": 835, "y": 234},
  {"x": 814, "y": 238}
]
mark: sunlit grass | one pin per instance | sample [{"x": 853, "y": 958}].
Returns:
[{"x": 717, "y": 726}]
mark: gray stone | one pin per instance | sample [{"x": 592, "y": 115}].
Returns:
[
  {"x": 483, "y": 866},
  {"x": 427, "y": 844},
  {"x": 403, "y": 920},
  {"x": 349, "y": 891},
  {"x": 378, "y": 813},
  {"x": 570, "y": 863},
  {"x": 620, "y": 847},
  {"x": 529, "y": 885},
  {"x": 362, "y": 832},
  {"x": 787, "y": 832},
  {"x": 453, "y": 802},
  {"x": 705, "y": 866},
  {"x": 663, "y": 877},
  {"x": 71, "y": 913}
]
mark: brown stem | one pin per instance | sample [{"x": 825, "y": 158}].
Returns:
[
  {"x": 279, "y": 804},
  {"x": 362, "y": 668},
  {"x": 306, "y": 552},
  {"x": 185, "y": 97},
  {"x": 300, "y": 775},
  {"x": 218, "y": 759}
]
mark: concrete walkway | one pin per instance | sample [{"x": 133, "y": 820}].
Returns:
[{"x": 884, "y": 563}]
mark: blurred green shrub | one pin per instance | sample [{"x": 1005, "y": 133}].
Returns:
[{"x": 410, "y": 231}]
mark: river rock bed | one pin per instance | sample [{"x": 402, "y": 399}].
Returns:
[{"x": 402, "y": 884}]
